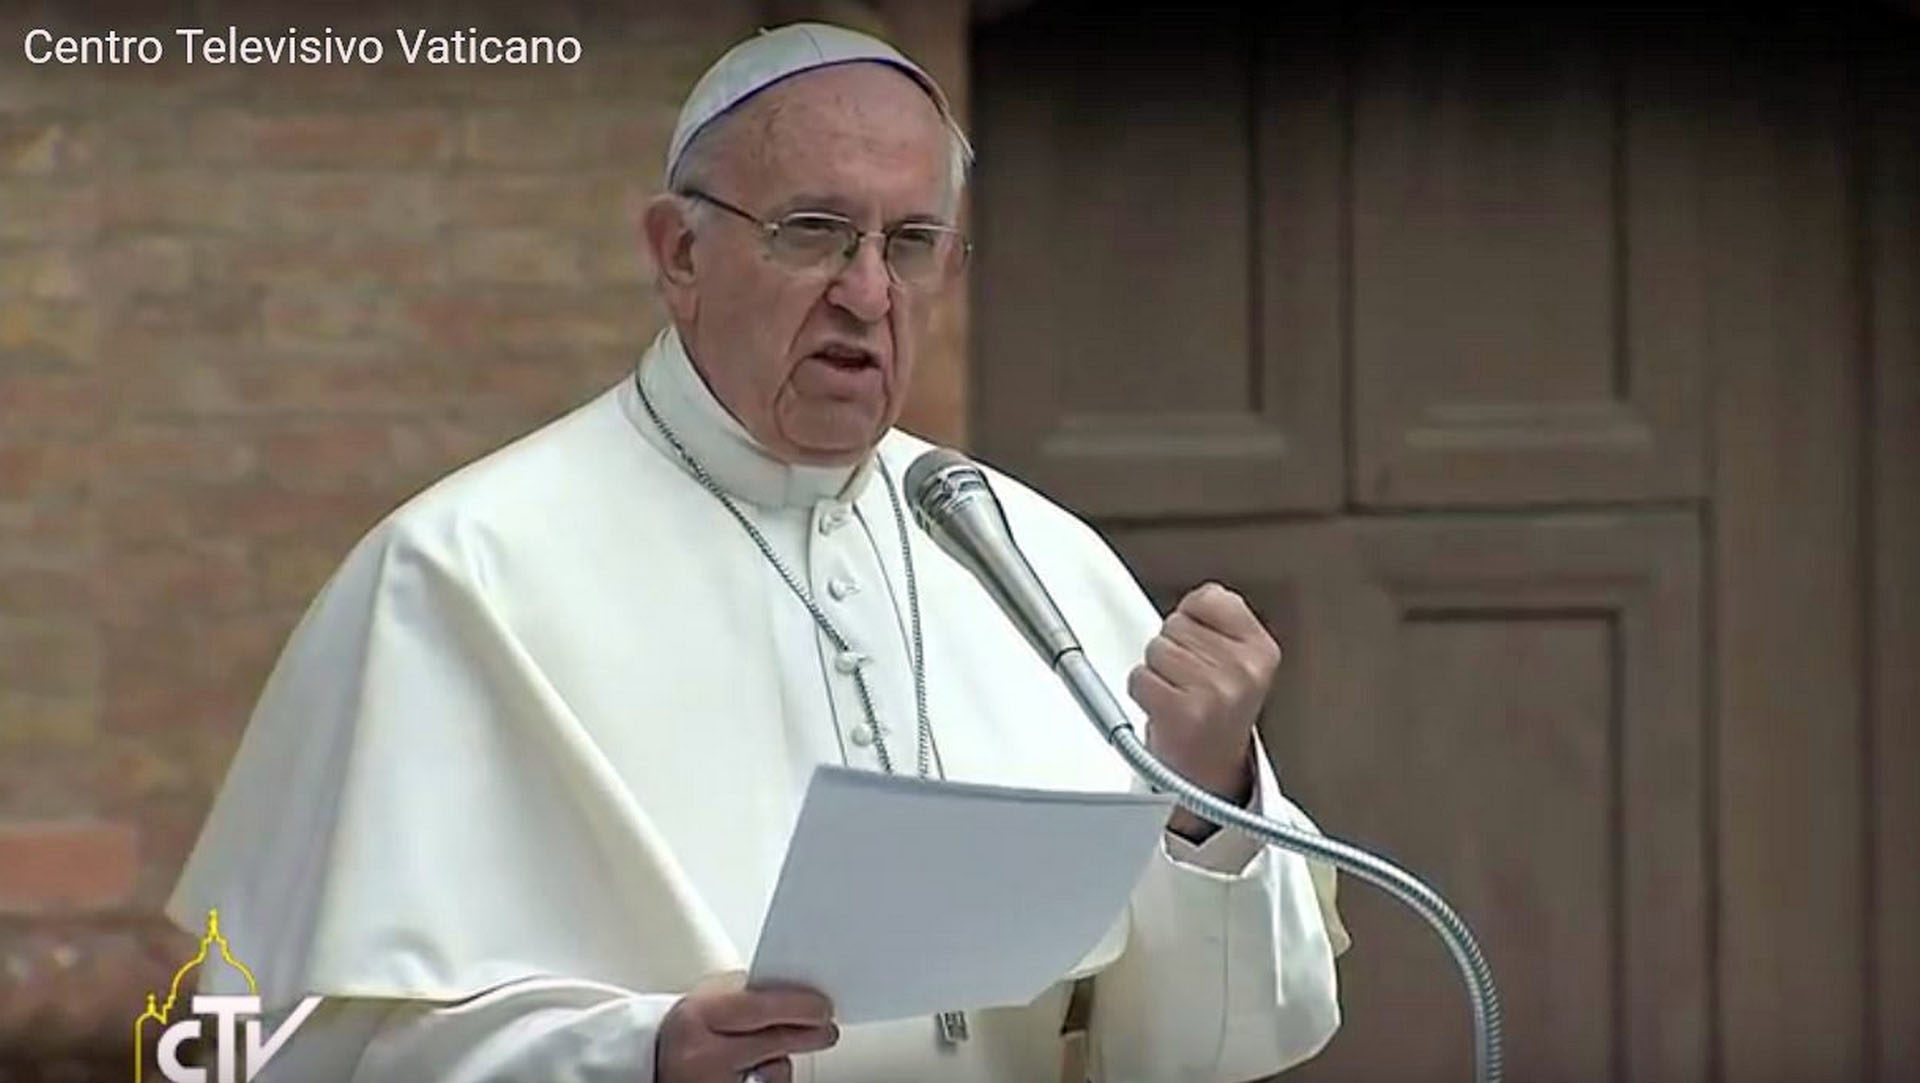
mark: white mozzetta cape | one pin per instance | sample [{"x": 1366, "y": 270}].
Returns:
[{"x": 527, "y": 767}]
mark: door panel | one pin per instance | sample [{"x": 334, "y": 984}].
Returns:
[
  {"x": 1140, "y": 361},
  {"x": 1525, "y": 285},
  {"x": 1512, "y": 710}
]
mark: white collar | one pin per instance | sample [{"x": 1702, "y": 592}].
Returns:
[{"x": 730, "y": 454}]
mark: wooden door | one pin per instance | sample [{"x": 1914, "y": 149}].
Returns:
[
  {"x": 1520, "y": 369},
  {"x": 1164, "y": 336},
  {"x": 1511, "y": 707}
]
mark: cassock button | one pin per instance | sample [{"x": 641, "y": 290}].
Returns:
[
  {"x": 848, "y": 661},
  {"x": 841, "y": 588},
  {"x": 862, "y": 735},
  {"x": 833, "y": 520}
]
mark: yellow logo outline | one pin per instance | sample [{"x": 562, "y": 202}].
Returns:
[{"x": 161, "y": 1013}]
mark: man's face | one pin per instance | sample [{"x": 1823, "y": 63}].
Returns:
[{"x": 815, "y": 364}]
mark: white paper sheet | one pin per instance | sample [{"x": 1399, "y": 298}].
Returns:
[{"x": 903, "y": 897}]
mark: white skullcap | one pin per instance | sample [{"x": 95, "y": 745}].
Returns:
[{"x": 772, "y": 55}]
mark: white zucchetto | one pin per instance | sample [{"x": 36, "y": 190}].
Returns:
[{"x": 772, "y": 55}]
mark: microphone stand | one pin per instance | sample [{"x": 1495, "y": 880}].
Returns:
[
  {"x": 1097, "y": 701},
  {"x": 953, "y": 501}
]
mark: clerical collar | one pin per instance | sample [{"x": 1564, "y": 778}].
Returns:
[{"x": 721, "y": 444}]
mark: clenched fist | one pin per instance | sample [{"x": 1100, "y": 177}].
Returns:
[
  {"x": 1202, "y": 683},
  {"x": 718, "y": 1034}
]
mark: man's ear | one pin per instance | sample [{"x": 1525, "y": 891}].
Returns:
[{"x": 668, "y": 236}]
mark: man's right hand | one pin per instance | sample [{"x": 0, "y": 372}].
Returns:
[{"x": 718, "y": 1035}]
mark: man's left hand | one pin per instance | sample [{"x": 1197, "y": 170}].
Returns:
[{"x": 1202, "y": 684}]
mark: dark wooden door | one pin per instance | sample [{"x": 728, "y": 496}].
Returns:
[{"x": 1514, "y": 367}]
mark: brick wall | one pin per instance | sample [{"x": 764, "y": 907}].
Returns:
[{"x": 243, "y": 313}]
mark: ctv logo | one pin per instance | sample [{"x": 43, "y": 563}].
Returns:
[{"x": 228, "y": 1025}]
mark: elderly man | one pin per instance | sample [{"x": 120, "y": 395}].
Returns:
[{"x": 515, "y": 795}]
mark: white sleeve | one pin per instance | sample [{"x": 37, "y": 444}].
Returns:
[
  {"x": 1228, "y": 972},
  {"x": 540, "y": 1030}
]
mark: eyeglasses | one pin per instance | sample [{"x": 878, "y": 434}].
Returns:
[{"x": 918, "y": 255}]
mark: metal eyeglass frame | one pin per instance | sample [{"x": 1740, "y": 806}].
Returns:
[{"x": 770, "y": 230}]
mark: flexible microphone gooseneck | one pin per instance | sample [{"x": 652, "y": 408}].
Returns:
[{"x": 954, "y": 504}]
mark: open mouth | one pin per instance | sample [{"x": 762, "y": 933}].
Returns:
[{"x": 842, "y": 356}]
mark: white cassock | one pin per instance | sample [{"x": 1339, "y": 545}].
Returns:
[{"x": 527, "y": 768}]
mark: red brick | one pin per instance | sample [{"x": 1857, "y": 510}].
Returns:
[
  {"x": 34, "y": 721},
  {"x": 42, "y": 209},
  {"x": 133, "y": 135},
  {"x": 41, "y": 589},
  {"x": 378, "y": 384},
  {"x": 334, "y": 454},
  {"x": 361, "y": 139},
  {"x": 40, "y": 401},
  {"x": 379, "y": 379},
  {"x": 35, "y": 144},
  {"x": 619, "y": 258},
  {"x": 338, "y": 261},
  {"x": 46, "y": 274},
  {"x": 230, "y": 516},
  {"x": 70, "y": 987},
  {"x": 178, "y": 381},
  {"x": 45, "y": 778},
  {"x": 52, "y": 868},
  {"x": 34, "y": 529},
  {"x": 54, "y": 467},
  {"x": 160, "y": 650},
  {"x": 57, "y": 654},
  {"x": 237, "y": 652},
  {"x": 522, "y": 390},
  {"x": 61, "y": 332},
  {"x": 170, "y": 819},
  {"x": 327, "y": 316},
  {"x": 428, "y": 449},
  {"x": 132, "y": 584},
  {"x": 229, "y": 313},
  {"x": 191, "y": 198},
  {"x": 330, "y": 204},
  {"x": 511, "y": 256},
  {"x": 584, "y": 200},
  {"x": 203, "y": 450},
  {"x": 135, "y": 771},
  {"x": 143, "y": 265},
  {"x": 293, "y": 573},
  {"x": 638, "y": 134},
  {"x": 529, "y": 136},
  {"x": 174, "y": 710},
  {"x": 533, "y": 321},
  {"x": 669, "y": 47}
]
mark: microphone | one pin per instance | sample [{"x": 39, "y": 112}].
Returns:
[
  {"x": 955, "y": 505},
  {"x": 952, "y": 501}
]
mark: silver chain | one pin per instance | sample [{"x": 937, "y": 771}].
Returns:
[{"x": 924, "y": 741}]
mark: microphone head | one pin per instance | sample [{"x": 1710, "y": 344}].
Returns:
[
  {"x": 929, "y": 461},
  {"x": 939, "y": 481},
  {"x": 954, "y": 504}
]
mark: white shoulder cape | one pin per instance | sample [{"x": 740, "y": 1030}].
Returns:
[{"x": 525, "y": 729}]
